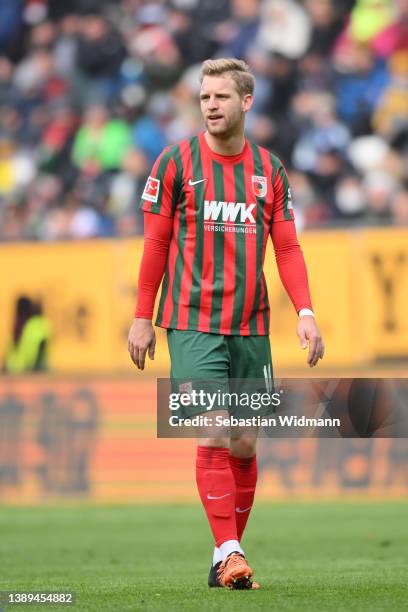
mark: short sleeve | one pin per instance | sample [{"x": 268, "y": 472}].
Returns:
[
  {"x": 282, "y": 206},
  {"x": 161, "y": 192}
]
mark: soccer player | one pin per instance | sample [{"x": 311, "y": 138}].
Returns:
[{"x": 210, "y": 205}]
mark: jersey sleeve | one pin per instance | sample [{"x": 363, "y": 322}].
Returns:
[
  {"x": 156, "y": 245},
  {"x": 282, "y": 206},
  {"x": 162, "y": 189},
  {"x": 291, "y": 264}
]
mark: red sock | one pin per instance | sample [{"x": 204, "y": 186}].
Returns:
[
  {"x": 216, "y": 486},
  {"x": 245, "y": 475}
]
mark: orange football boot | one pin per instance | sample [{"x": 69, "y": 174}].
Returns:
[{"x": 234, "y": 572}]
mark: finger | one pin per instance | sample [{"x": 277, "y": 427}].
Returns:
[
  {"x": 318, "y": 354},
  {"x": 152, "y": 348},
  {"x": 142, "y": 358},
  {"x": 322, "y": 351},
  {"x": 130, "y": 350},
  {"x": 302, "y": 339},
  {"x": 134, "y": 354},
  {"x": 312, "y": 350}
]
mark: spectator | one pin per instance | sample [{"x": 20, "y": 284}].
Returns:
[
  {"x": 350, "y": 198},
  {"x": 390, "y": 118},
  {"x": 399, "y": 208},
  {"x": 28, "y": 347},
  {"x": 326, "y": 26},
  {"x": 100, "y": 49},
  {"x": 324, "y": 133},
  {"x": 191, "y": 37},
  {"x": 11, "y": 25},
  {"x": 127, "y": 186},
  {"x": 379, "y": 189},
  {"x": 148, "y": 130},
  {"x": 56, "y": 140},
  {"x": 6, "y": 86},
  {"x": 240, "y": 32},
  {"x": 66, "y": 46},
  {"x": 45, "y": 193},
  {"x": 395, "y": 36},
  {"x": 360, "y": 86},
  {"x": 101, "y": 142},
  {"x": 153, "y": 44},
  {"x": 369, "y": 17},
  {"x": 285, "y": 28},
  {"x": 17, "y": 168}
]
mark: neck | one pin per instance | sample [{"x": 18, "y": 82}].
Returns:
[{"x": 231, "y": 145}]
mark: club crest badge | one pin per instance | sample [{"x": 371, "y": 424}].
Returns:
[
  {"x": 259, "y": 186},
  {"x": 186, "y": 389}
]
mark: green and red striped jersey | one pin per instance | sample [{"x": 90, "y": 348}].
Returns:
[{"x": 223, "y": 208}]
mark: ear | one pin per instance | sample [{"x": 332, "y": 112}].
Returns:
[{"x": 247, "y": 102}]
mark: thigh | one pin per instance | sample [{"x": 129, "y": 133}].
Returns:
[
  {"x": 251, "y": 374},
  {"x": 250, "y": 357},
  {"x": 199, "y": 362},
  {"x": 197, "y": 355}
]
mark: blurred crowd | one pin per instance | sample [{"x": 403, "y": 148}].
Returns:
[{"x": 91, "y": 91}]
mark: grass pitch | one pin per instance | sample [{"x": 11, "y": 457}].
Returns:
[{"x": 320, "y": 557}]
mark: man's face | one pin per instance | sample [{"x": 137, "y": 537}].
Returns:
[{"x": 222, "y": 107}]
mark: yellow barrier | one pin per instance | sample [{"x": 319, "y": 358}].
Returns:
[{"x": 359, "y": 283}]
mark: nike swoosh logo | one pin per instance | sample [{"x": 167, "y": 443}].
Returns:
[
  {"x": 244, "y": 510},
  {"x": 219, "y": 497},
  {"x": 191, "y": 183}
]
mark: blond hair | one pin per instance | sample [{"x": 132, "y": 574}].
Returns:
[{"x": 237, "y": 69}]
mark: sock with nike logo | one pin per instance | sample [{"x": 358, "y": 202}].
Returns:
[
  {"x": 245, "y": 475},
  {"x": 216, "y": 486}
]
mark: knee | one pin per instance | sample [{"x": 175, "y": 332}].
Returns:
[
  {"x": 215, "y": 442},
  {"x": 243, "y": 447}
]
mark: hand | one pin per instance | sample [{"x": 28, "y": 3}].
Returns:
[
  {"x": 308, "y": 332},
  {"x": 142, "y": 338}
]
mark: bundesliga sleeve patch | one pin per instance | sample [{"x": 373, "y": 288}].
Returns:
[{"x": 151, "y": 190}]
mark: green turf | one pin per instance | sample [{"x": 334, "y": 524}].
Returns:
[{"x": 316, "y": 557}]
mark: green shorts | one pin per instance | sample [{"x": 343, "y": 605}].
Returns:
[{"x": 234, "y": 364}]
